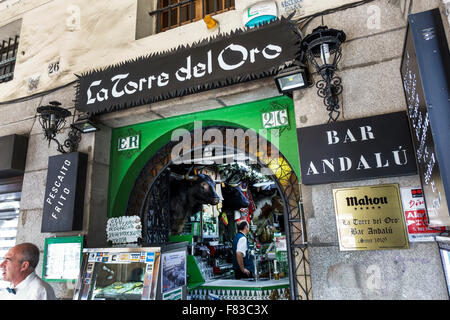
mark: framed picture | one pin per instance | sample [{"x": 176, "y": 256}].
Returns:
[{"x": 173, "y": 270}]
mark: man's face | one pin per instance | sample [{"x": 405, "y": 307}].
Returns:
[
  {"x": 11, "y": 266},
  {"x": 246, "y": 229}
]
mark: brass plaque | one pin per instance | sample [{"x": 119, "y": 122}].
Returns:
[{"x": 370, "y": 218}]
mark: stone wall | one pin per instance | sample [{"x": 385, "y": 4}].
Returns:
[
  {"x": 84, "y": 34},
  {"x": 96, "y": 145},
  {"x": 370, "y": 72}
]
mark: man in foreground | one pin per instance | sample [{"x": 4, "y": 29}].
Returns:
[{"x": 18, "y": 267}]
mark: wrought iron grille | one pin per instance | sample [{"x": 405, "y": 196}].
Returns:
[
  {"x": 287, "y": 182},
  {"x": 8, "y": 52},
  {"x": 174, "y": 13},
  {"x": 156, "y": 211}
]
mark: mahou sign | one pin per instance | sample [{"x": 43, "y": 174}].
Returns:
[
  {"x": 378, "y": 146},
  {"x": 238, "y": 57}
]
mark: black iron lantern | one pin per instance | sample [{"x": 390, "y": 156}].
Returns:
[
  {"x": 52, "y": 119},
  {"x": 323, "y": 50}
]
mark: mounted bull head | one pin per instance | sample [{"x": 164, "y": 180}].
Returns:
[
  {"x": 187, "y": 195},
  {"x": 233, "y": 197}
]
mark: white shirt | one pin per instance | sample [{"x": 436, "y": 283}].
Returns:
[
  {"x": 31, "y": 288},
  {"x": 241, "y": 246}
]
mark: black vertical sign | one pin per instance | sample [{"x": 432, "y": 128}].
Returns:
[
  {"x": 425, "y": 74},
  {"x": 64, "y": 193}
]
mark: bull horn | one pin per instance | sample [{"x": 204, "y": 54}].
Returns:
[
  {"x": 188, "y": 177},
  {"x": 191, "y": 178},
  {"x": 233, "y": 185},
  {"x": 177, "y": 176}
]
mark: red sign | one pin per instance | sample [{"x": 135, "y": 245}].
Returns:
[{"x": 415, "y": 216}]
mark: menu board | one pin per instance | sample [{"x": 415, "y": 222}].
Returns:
[
  {"x": 62, "y": 258},
  {"x": 424, "y": 68}
]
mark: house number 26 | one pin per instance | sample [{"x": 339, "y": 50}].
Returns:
[
  {"x": 273, "y": 119},
  {"x": 53, "y": 67}
]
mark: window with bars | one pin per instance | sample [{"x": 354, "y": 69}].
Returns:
[
  {"x": 174, "y": 13},
  {"x": 8, "y": 53}
]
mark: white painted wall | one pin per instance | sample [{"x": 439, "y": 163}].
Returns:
[{"x": 86, "y": 34}]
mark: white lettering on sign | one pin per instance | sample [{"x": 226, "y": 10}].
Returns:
[
  {"x": 367, "y": 161},
  {"x": 128, "y": 143},
  {"x": 122, "y": 85},
  {"x": 57, "y": 196},
  {"x": 365, "y": 134},
  {"x": 398, "y": 157},
  {"x": 127, "y": 229}
]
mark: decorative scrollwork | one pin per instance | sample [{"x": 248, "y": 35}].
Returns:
[
  {"x": 71, "y": 143},
  {"x": 322, "y": 87},
  {"x": 330, "y": 90}
]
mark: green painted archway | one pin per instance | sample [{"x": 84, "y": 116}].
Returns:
[
  {"x": 154, "y": 138},
  {"x": 126, "y": 165}
]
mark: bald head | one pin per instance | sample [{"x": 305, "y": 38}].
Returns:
[
  {"x": 28, "y": 252},
  {"x": 20, "y": 261}
]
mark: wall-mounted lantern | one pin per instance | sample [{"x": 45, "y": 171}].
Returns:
[
  {"x": 53, "y": 118},
  {"x": 323, "y": 50}
]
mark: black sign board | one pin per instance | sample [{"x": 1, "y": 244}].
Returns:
[
  {"x": 13, "y": 155},
  {"x": 378, "y": 146},
  {"x": 241, "y": 56},
  {"x": 64, "y": 193},
  {"x": 425, "y": 72}
]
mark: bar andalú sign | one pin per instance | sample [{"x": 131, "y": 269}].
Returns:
[{"x": 378, "y": 146}]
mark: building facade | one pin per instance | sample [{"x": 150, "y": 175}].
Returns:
[{"x": 58, "y": 41}]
